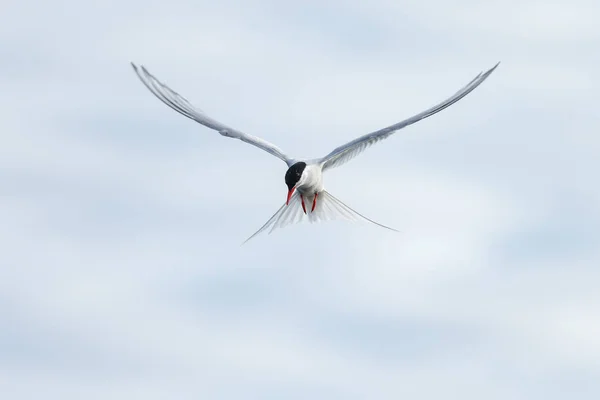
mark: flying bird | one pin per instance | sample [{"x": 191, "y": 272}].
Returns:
[{"x": 306, "y": 195}]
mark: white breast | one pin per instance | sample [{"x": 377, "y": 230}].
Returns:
[{"x": 314, "y": 180}]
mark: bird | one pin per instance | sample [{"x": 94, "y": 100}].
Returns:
[{"x": 306, "y": 194}]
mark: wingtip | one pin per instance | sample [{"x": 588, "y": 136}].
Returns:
[
  {"x": 136, "y": 69},
  {"x": 489, "y": 71},
  {"x": 140, "y": 68},
  {"x": 146, "y": 72}
]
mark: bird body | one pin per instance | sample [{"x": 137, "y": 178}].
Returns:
[
  {"x": 313, "y": 182},
  {"x": 304, "y": 178}
]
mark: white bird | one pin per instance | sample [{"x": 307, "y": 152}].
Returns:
[{"x": 304, "y": 178}]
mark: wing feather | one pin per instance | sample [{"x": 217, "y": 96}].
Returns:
[
  {"x": 178, "y": 103},
  {"x": 351, "y": 149}
]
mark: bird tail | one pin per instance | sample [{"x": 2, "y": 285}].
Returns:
[{"x": 327, "y": 208}]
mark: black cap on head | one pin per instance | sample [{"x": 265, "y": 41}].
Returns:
[{"x": 293, "y": 174}]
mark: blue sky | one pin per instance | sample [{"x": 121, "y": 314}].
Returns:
[{"x": 121, "y": 274}]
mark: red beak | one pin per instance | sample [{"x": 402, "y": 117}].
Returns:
[{"x": 290, "y": 193}]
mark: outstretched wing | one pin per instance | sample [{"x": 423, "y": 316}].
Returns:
[
  {"x": 184, "y": 107},
  {"x": 350, "y": 150}
]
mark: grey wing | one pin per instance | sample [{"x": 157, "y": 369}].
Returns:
[
  {"x": 350, "y": 150},
  {"x": 184, "y": 107}
]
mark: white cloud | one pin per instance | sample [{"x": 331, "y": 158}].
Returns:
[{"x": 121, "y": 273}]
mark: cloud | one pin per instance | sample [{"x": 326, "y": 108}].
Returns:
[{"x": 122, "y": 274}]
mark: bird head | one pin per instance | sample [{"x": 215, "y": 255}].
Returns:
[{"x": 294, "y": 177}]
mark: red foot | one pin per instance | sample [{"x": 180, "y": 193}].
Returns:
[
  {"x": 314, "y": 202},
  {"x": 303, "y": 206}
]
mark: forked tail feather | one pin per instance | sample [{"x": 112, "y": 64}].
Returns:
[{"x": 327, "y": 208}]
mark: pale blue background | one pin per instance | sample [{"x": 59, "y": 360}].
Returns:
[{"x": 121, "y": 274}]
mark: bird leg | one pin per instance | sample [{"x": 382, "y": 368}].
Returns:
[
  {"x": 314, "y": 202},
  {"x": 303, "y": 206}
]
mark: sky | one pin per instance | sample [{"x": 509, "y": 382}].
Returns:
[{"x": 121, "y": 270}]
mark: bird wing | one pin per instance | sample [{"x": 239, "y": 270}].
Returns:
[
  {"x": 184, "y": 107},
  {"x": 351, "y": 149}
]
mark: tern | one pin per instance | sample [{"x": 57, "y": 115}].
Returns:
[{"x": 306, "y": 195}]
